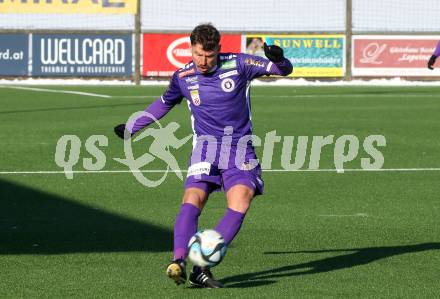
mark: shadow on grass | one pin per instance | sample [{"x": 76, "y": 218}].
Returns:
[
  {"x": 34, "y": 222},
  {"x": 356, "y": 257}
]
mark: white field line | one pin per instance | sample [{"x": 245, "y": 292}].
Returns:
[
  {"x": 345, "y": 215},
  {"x": 354, "y": 95},
  {"x": 58, "y": 91},
  {"x": 184, "y": 171}
]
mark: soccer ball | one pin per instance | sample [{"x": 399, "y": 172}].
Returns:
[{"x": 206, "y": 248}]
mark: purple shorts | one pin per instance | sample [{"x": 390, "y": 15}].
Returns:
[{"x": 212, "y": 175}]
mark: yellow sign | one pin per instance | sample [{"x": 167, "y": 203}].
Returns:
[
  {"x": 317, "y": 72},
  {"x": 69, "y": 6}
]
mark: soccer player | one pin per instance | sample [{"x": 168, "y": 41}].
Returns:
[
  {"x": 434, "y": 56},
  {"x": 216, "y": 87}
]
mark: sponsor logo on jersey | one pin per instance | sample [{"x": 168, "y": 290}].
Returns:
[
  {"x": 227, "y": 57},
  {"x": 228, "y": 85},
  {"x": 187, "y": 73},
  {"x": 228, "y": 74},
  {"x": 199, "y": 168},
  {"x": 191, "y": 80},
  {"x": 251, "y": 61},
  {"x": 230, "y": 64},
  {"x": 193, "y": 87},
  {"x": 195, "y": 97}
]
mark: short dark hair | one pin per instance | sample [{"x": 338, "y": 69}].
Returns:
[{"x": 206, "y": 35}]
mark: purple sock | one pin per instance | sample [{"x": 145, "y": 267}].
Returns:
[
  {"x": 184, "y": 229},
  {"x": 230, "y": 224}
]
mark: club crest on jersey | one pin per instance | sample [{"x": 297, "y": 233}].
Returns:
[
  {"x": 195, "y": 97},
  {"x": 228, "y": 85}
]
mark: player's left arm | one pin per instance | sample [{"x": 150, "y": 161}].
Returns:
[
  {"x": 280, "y": 65},
  {"x": 255, "y": 66}
]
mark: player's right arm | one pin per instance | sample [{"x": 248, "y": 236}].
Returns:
[
  {"x": 434, "y": 56},
  {"x": 158, "y": 109}
]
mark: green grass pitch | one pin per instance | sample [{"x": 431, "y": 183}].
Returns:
[{"x": 312, "y": 235}]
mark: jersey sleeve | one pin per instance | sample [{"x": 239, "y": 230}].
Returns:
[
  {"x": 155, "y": 111},
  {"x": 255, "y": 66},
  {"x": 158, "y": 108},
  {"x": 173, "y": 95}
]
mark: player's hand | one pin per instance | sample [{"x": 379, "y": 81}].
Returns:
[
  {"x": 120, "y": 131},
  {"x": 273, "y": 53},
  {"x": 431, "y": 62}
]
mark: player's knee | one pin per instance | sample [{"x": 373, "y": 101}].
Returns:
[
  {"x": 240, "y": 198},
  {"x": 195, "y": 197},
  {"x": 240, "y": 205}
]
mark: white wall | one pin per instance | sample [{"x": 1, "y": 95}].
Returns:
[
  {"x": 249, "y": 15},
  {"x": 245, "y": 15},
  {"x": 396, "y": 15}
]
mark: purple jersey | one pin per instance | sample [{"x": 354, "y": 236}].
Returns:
[{"x": 221, "y": 98}]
